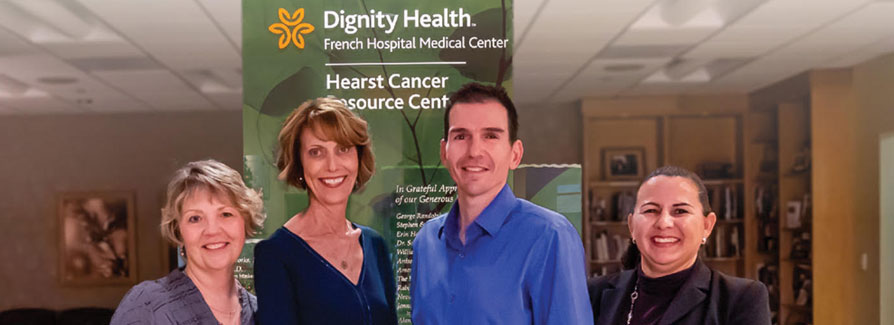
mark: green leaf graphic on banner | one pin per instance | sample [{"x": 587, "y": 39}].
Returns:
[{"x": 291, "y": 92}]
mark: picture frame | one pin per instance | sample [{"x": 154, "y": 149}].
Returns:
[
  {"x": 623, "y": 163},
  {"x": 97, "y": 238}
]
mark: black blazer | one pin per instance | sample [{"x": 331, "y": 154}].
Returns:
[{"x": 707, "y": 297}]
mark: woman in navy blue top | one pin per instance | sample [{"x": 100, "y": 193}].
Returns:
[
  {"x": 295, "y": 285},
  {"x": 319, "y": 268}
]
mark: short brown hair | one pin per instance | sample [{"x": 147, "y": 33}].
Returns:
[
  {"x": 330, "y": 116},
  {"x": 218, "y": 178},
  {"x": 474, "y": 92}
]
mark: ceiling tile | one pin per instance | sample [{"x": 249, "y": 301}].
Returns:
[
  {"x": 12, "y": 44},
  {"x": 741, "y": 41},
  {"x": 40, "y": 105},
  {"x": 795, "y": 13},
  {"x": 866, "y": 53},
  {"x": 92, "y": 49},
  {"x": 177, "y": 33},
  {"x": 228, "y": 15},
  {"x": 227, "y": 101},
  {"x": 662, "y": 36},
  {"x": 657, "y": 89},
  {"x": 524, "y": 12},
  {"x": 32, "y": 69},
  {"x": 159, "y": 88},
  {"x": 642, "y": 51}
]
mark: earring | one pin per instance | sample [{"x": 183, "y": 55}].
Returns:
[
  {"x": 182, "y": 251},
  {"x": 633, "y": 240},
  {"x": 704, "y": 240}
]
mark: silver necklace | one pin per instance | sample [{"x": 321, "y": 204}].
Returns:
[{"x": 632, "y": 301}]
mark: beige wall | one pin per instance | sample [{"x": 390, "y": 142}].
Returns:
[
  {"x": 886, "y": 229},
  {"x": 43, "y": 155},
  {"x": 851, "y": 109},
  {"x": 875, "y": 116}
]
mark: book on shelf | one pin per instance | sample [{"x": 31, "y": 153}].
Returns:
[
  {"x": 793, "y": 214},
  {"x": 725, "y": 242},
  {"x": 765, "y": 211},
  {"x": 735, "y": 249},
  {"x": 601, "y": 247},
  {"x": 801, "y": 246},
  {"x": 729, "y": 203},
  {"x": 610, "y": 247},
  {"x": 724, "y": 201},
  {"x": 806, "y": 209},
  {"x": 802, "y": 284},
  {"x": 719, "y": 242},
  {"x": 768, "y": 274},
  {"x": 623, "y": 243}
]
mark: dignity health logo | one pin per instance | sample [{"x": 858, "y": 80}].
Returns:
[{"x": 290, "y": 28}]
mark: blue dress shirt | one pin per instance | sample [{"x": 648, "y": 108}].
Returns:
[{"x": 521, "y": 264}]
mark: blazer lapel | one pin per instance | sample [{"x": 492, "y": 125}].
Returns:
[
  {"x": 691, "y": 294},
  {"x": 612, "y": 298}
]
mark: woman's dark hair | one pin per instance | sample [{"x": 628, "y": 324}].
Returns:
[{"x": 632, "y": 256}]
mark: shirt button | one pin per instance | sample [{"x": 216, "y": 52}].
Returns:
[{"x": 462, "y": 255}]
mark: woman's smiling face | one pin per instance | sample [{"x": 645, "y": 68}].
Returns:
[
  {"x": 668, "y": 224},
  {"x": 330, "y": 169},
  {"x": 213, "y": 230}
]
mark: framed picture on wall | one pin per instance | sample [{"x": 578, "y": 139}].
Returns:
[
  {"x": 96, "y": 238},
  {"x": 623, "y": 163}
]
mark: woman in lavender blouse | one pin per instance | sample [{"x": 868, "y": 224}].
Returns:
[{"x": 208, "y": 212}]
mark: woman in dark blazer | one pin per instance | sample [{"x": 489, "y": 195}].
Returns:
[{"x": 666, "y": 283}]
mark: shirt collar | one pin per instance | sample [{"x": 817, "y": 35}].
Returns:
[{"x": 491, "y": 218}]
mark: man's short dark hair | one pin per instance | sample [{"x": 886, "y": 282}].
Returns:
[{"x": 474, "y": 92}]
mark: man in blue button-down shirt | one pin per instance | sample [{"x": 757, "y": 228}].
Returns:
[{"x": 494, "y": 258}]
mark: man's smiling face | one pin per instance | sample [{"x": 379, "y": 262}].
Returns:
[{"x": 477, "y": 151}]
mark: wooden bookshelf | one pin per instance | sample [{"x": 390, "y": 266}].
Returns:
[
  {"x": 780, "y": 141},
  {"x": 762, "y": 221},
  {"x": 794, "y": 186}
]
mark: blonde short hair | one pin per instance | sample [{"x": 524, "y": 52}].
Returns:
[
  {"x": 330, "y": 117},
  {"x": 218, "y": 178}
]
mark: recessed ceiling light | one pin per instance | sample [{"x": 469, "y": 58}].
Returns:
[
  {"x": 57, "y": 80},
  {"x": 623, "y": 67}
]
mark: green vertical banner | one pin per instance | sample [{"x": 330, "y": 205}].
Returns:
[{"x": 393, "y": 63}]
